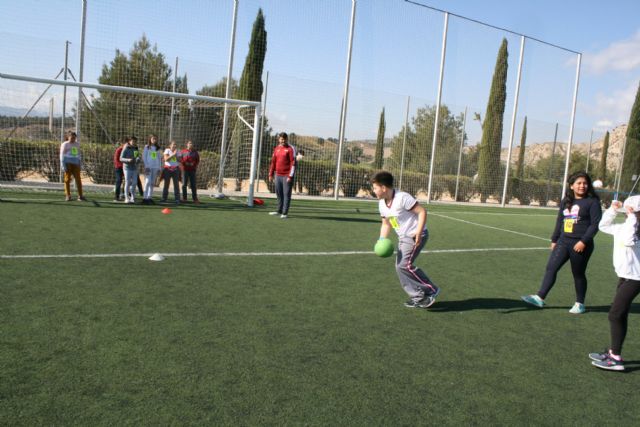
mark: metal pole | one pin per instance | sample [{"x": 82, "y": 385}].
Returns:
[
  {"x": 343, "y": 117},
  {"x": 573, "y": 119},
  {"x": 619, "y": 174},
  {"x": 227, "y": 94},
  {"x": 437, "y": 119},
  {"x": 264, "y": 113},
  {"x": 64, "y": 90},
  {"x": 404, "y": 141},
  {"x": 513, "y": 122},
  {"x": 81, "y": 71},
  {"x": 51, "y": 116},
  {"x": 553, "y": 156},
  {"x": 173, "y": 101},
  {"x": 464, "y": 126},
  {"x": 589, "y": 151},
  {"x": 254, "y": 154}
]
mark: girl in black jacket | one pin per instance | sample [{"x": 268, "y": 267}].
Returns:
[{"x": 572, "y": 240}]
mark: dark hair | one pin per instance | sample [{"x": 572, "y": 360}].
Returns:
[
  {"x": 153, "y": 135},
  {"x": 69, "y": 134},
  {"x": 382, "y": 178},
  {"x": 283, "y": 135},
  {"x": 570, "y": 197}
]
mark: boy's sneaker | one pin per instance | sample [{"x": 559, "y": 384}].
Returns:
[
  {"x": 82, "y": 199},
  {"x": 283, "y": 216},
  {"x": 429, "y": 300},
  {"x": 534, "y": 300},
  {"x": 577, "y": 308},
  {"x": 413, "y": 304},
  {"x": 609, "y": 363},
  {"x": 274, "y": 213}
]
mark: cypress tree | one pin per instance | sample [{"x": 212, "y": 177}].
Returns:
[
  {"x": 602, "y": 169},
  {"x": 490, "y": 145},
  {"x": 379, "y": 157},
  {"x": 631, "y": 163},
  {"x": 249, "y": 89},
  {"x": 523, "y": 141}
]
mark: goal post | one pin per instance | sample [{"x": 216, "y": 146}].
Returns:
[{"x": 111, "y": 112}]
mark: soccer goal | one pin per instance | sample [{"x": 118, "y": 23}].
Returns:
[{"x": 102, "y": 115}]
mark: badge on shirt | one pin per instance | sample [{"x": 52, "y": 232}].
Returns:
[
  {"x": 154, "y": 155},
  {"x": 74, "y": 151},
  {"x": 394, "y": 222},
  {"x": 568, "y": 225}
]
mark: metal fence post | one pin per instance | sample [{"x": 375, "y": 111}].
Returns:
[
  {"x": 225, "y": 120},
  {"x": 464, "y": 126},
  {"x": 513, "y": 122},
  {"x": 443, "y": 54},
  {"x": 343, "y": 114},
  {"x": 404, "y": 141},
  {"x": 573, "y": 119}
]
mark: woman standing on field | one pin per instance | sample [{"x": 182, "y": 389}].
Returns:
[{"x": 572, "y": 240}]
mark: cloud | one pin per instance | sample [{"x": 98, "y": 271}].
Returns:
[
  {"x": 622, "y": 55},
  {"x": 612, "y": 109}
]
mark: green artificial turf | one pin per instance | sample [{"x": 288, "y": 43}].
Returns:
[{"x": 251, "y": 338}]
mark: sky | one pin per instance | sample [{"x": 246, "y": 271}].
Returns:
[{"x": 395, "y": 57}]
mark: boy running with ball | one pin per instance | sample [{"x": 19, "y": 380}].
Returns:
[{"x": 403, "y": 213}]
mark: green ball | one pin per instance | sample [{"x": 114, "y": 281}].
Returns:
[{"x": 383, "y": 248}]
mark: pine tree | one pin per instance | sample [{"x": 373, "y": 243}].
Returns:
[
  {"x": 602, "y": 167},
  {"x": 249, "y": 89},
  {"x": 523, "y": 141},
  {"x": 631, "y": 164},
  {"x": 490, "y": 145},
  {"x": 379, "y": 157},
  {"x": 128, "y": 113}
]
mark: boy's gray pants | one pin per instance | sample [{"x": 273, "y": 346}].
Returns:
[{"x": 413, "y": 280}]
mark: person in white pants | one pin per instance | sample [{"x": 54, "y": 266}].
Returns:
[{"x": 152, "y": 158}]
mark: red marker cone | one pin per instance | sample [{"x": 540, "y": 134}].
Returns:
[{"x": 166, "y": 211}]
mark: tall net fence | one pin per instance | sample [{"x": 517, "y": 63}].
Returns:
[{"x": 293, "y": 57}]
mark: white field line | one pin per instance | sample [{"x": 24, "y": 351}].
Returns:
[
  {"x": 253, "y": 254},
  {"x": 491, "y": 227}
]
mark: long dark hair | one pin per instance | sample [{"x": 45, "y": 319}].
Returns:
[{"x": 570, "y": 197}]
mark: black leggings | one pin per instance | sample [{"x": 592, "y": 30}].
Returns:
[
  {"x": 619, "y": 312},
  {"x": 562, "y": 253}
]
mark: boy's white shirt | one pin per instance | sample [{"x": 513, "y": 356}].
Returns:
[
  {"x": 626, "y": 250},
  {"x": 399, "y": 215}
]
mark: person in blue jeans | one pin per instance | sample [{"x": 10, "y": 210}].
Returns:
[{"x": 283, "y": 165}]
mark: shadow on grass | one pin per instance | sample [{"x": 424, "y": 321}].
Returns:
[
  {"x": 338, "y": 218},
  {"x": 507, "y": 306}
]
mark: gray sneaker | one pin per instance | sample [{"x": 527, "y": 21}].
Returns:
[
  {"x": 609, "y": 363},
  {"x": 429, "y": 300}
]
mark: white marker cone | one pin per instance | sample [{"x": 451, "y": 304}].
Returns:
[{"x": 156, "y": 257}]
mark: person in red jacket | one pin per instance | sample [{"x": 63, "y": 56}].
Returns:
[
  {"x": 283, "y": 163},
  {"x": 117, "y": 166},
  {"x": 189, "y": 159}
]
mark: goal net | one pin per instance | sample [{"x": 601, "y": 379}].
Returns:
[{"x": 30, "y": 138}]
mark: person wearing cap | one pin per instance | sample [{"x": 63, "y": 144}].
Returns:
[
  {"x": 572, "y": 240},
  {"x": 626, "y": 262}
]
